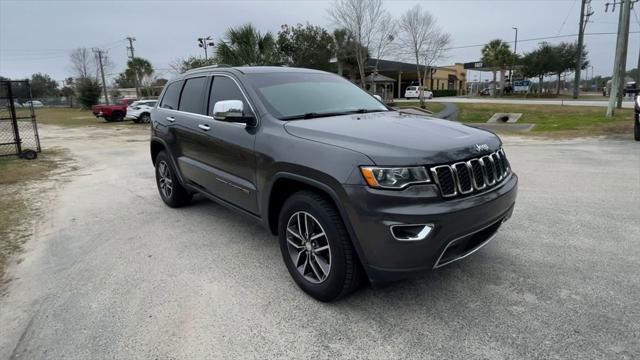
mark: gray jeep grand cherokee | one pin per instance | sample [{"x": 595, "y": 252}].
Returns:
[{"x": 352, "y": 188}]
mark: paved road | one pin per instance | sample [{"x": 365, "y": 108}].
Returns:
[
  {"x": 625, "y": 104},
  {"x": 113, "y": 273}
]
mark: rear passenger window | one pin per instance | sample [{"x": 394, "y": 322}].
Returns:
[
  {"x": 192, "y": 98},
  {"x": 224, "y": 88},
  {"x": 171, "y": 95}
]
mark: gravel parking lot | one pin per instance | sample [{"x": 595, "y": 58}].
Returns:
[{"x": 113, "y": 273}]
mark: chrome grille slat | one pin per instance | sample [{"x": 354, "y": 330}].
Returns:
[{"x": 471, "y": 176}]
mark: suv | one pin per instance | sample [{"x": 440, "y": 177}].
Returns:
[
  {"x": 353, "y": 189},
  {"x": 412, "y": 92}
]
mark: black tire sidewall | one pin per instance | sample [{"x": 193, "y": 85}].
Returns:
[
  {"x": 636, "y": 129},
  {"x": 179, "y": 196},
  {"x": 332, "y": 287},
  {"x": 145, "y": 118}
]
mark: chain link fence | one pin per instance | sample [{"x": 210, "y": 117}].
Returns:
[{"x": 18, "y": 127}]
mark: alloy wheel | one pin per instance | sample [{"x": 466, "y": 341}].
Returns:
[
  {"x": 308, "y": 247},
  {"x": 165, "y": 181}
]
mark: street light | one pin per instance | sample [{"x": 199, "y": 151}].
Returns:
[{"x": 204, "y": 43}]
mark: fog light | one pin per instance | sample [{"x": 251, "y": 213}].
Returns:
[{"x": 412, "y": 232}]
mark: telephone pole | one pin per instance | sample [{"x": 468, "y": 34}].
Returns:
[
  {"x": 104, "y": 83},
  {"x": 130, "y": 47},
  {"x": 623, "y": 57},
  {"x": 620, "y": 44},
  {"x": 131, "y": 57},
  {"x": 585, "y": 12}
]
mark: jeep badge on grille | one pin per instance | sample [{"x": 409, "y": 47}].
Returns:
[{"x": 480, "y": 148}]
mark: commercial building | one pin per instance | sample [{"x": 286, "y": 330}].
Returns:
[{"x": 394, "y": 77}]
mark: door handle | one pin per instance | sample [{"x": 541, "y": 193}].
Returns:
[
  {"x": 204, "y": 127},
  {"x": 170, "y": 118}
]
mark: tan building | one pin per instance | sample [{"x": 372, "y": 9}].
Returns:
[{"x": 450, "y": 77}]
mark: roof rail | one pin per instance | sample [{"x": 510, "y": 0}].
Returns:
[{"x": 209, "y": 67}]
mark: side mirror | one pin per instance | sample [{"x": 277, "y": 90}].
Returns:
[
  {"x": 232, "y": 111},
  {"x": 378, "y": 97}
]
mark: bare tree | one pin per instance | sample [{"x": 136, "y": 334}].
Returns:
[
  {"x": 362, "y": 18},
  {"x": 385, "y": 36},
  {"x": 423, "y": 40},
  {"x": 83, "y": 64}
]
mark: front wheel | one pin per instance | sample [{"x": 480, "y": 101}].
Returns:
[{"x": 316, "y": 247}]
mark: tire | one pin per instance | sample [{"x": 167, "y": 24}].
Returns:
[
  {"x": 636, "y": 129},
  {"x": 338, "y": 264},
  {"x": 117, "y": 116},
  {"x": 145, "y": 118},
  {"x": 176, "y": 195},
  {"x": 136, "y": 120}
]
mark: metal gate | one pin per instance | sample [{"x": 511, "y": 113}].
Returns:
[{"x": 18, "y": 127}]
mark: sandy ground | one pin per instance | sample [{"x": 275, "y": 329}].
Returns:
[{"x": 111, "y": 272}]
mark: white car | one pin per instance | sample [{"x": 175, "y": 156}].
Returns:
[
  {"x": 140, "y": 111},
  {"x": 34, "y": 103},
  {"x": 412, "y": 92}
]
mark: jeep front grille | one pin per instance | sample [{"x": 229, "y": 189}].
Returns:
[{"x": 471, "y": 176}]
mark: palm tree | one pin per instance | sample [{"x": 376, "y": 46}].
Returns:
[
  {"x": 246, "y": 46},
  {"x": 497, "y": 55},
  {"x": 138, "y": 69}
]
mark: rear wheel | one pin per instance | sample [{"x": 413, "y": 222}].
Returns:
[
  {"x": 171, "y": 191},
  {"x": 145, "y": 118},
  {"x": 316, "y": 247},
  {"x": 117, "y": 116},
  {"x": 636, "y": 129}
]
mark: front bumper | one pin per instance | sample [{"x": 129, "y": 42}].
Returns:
[{"x": 460, "y": 226}]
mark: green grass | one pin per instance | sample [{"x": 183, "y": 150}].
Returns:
[
  {"x": 554, "y": 118},
  {"x": 434, "y": 107},
  {"x": 19, "y": 196},
  {"x": 71, "y": 117}
]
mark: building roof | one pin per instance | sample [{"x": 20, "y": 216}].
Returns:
[{"x": 379, "y": 78}]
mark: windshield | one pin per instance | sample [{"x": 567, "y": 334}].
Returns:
[{"x": 305, "y": 95}]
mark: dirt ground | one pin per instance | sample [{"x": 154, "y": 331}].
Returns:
[{"x": 108, "y": 271}]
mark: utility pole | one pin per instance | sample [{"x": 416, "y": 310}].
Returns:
[
  {"x": 205, "y": 42},
  {"x": 130, "y": 47},
  {"x": 623, "y": 58},
  {"x": 104, "y": 83},
  {"x": 585, "y": 13},
  {"x": 615, "y": 80},
  {"x": 131, "y": 57},
  {"x": 515, "y": 52}
]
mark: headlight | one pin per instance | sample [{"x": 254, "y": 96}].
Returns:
[{"x": 394, "y": 177}]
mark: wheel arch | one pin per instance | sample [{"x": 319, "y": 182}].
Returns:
[{"x": 285, "y": 184}]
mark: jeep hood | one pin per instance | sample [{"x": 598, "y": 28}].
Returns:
[{"x": 392, "y": 138}]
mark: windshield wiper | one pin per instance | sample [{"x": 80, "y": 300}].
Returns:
[{"x": 313, "y": 115}]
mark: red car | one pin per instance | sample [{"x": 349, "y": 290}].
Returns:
[{"x": 115, "y": 112}]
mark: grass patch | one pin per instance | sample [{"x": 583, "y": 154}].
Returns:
[
  {"x": 20, "y": 194},
  {"x": 71, "y": 117},
  {"x": 586, "y": 120},
  {"x": 434, "y": 107}
]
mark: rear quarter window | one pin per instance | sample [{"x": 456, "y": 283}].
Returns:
[{"x": 171, "y": 96}]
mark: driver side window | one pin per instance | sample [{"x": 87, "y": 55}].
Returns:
[{"x": 224, "y": 88}]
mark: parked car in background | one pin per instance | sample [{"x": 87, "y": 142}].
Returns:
[
  {"x": 351, "y": 187},
  {"x": 115, "y": 112},
  {"x": 33, "y": 103},
  {"x": 140, "y": 111},
  {"x": 412, "y": 92}
]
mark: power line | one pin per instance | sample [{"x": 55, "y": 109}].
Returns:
[
  {"x": 541, "y": 38},
  {"x": 566, "y": 17}
]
